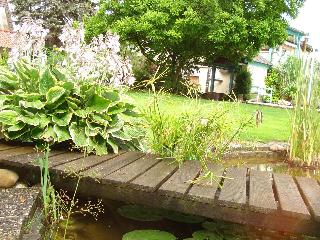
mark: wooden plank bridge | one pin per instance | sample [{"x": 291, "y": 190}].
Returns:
[{"x": 275, "y": 201}]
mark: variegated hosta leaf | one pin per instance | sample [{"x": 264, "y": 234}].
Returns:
[
  {"x": 62, "y": 119},
  {"x": 37, "y": 104},
  {"x": 54, "y": 94},
  {"x": 98, "y": 104},
  {"x": 46, "y": 82},
  {"x": 62, "y": 133},
  {"x": 99, "y": 144},
  {"x": 8, "y": 117},
  {"x": 78, "y": 135}
]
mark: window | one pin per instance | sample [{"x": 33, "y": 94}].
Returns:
[{"x": 3, "y": 19}]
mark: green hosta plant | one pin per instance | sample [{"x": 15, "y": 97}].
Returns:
[{"x": 92, "y": 117}]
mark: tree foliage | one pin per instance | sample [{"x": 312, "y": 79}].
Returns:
[
  {"x": 177, "y": 34},
  {"x": 55, "y": 14}
]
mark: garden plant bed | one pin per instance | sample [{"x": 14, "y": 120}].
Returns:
[{"x": 278, "y": 201}]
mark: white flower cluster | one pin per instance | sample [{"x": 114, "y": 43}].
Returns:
[
  {"x": 98, "y": 60},
  {"x": 29, "y": 42}
]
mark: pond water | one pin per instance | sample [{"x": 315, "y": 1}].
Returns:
[
  {"x": 276, "y": 166},
  {"x": 112, "y": 225}
]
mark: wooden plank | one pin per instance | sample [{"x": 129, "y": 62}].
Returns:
[
  {"x": 82, "y": 164},
  {"x": 4, "y": 146},
  {"x": 112, "y": 165},
  {"x": 291, "y": 202},
  {"x": 233, "y": 192},
  {"x": 205, "y": 190},
  {"x": 129, "y": 172},
  {"x": 310, "y": 190},
  {"x": 153, "y": 178},
  {"x": 16, "y": 151},
  {"x": 180, "y": 181},
  {"x": 64, "y": 158},
  {"x": 30, "y": 158},
  {"x": 261, "y": 196}
]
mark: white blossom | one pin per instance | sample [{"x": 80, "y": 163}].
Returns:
[
  {"x": 29, "y": 42},
  {"x": 98, "y": 60}
]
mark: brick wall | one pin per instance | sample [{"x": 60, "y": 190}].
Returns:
[{"x": 6, "y": 39}]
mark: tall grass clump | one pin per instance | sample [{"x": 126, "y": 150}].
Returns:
[
  {"x": 305, "y": 130},
  {"x": 197, "y": 134}
]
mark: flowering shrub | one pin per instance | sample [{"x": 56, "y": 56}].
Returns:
[{"x": 98, "y": 60}]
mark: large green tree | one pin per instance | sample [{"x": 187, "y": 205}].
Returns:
[
  {"x": 177, "y": 34},
  {"x": 54, "y": 13}
]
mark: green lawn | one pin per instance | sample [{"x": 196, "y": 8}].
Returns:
[{"x": 276, "y": 122}]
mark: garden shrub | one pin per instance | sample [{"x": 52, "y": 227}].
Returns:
[
  {"x": 49, "y": 109},
  {"x": 283, "y": 79},
  {"x": 243, "y": 82}
]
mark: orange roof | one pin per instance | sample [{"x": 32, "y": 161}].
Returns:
[{"x": 6, "y": 38}]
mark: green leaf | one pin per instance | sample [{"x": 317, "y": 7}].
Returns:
[
  {"x": 133, "y": 132},
  {"x": 54, "y": 94},
  {"x": 34, "y": 104},
  {"x": 116, "y": 126},
  {"x": 46, "y": 82},
  {"x": 58, "y": 74},
  {"x": 16, "y": 134},
  {"x": 62, "y": 119},
  {"x": 49, "y": 134},
  {"x": 78, "y": 135},
  {"x": 99, "y": 145},
  {"x": 116, "y": 110},
  {"x": 92, "y": 131},
  {"x": 113, "y": 96},
  {"x": 29, "y": 119},
  {"x": 16, "y": 127},
  {"x": 131, "y": 113},
  {"x": 98, "y": 104},
  {"x": 100, "y": 119},
  {"x": 113, "y": 145},
  {"x": 8, "y": 117},
  {"x": 37, "y": 132},
  {"x": 44, "y": 120},
  {"x": 121, "y": 135},
  {"x": 148, "y": 235},
  {"x": 81, "y": 113},
  {"x": 62, "y": 133},
  {"x": 68, "y": 86}
]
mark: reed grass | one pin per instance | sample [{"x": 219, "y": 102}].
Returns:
[{"x": 305, "y": 128}]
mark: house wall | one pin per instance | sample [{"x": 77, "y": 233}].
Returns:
[
  {"x": 258, "y": 73},
  {"x": 201, "y": 75},
  {"x": 222, "y": 86}
]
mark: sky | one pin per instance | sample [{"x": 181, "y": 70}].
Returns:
[{"x": 308, "y": 21}]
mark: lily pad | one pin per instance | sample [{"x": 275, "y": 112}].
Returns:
[
  {"x": 206, "y": 235},
  {"x": 140, "y": 213},
  {"x": 148, "y": 235},
  {"x": 181, "y": 217}
]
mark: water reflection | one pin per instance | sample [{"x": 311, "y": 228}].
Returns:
[{"x": 275, "y": 166}]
